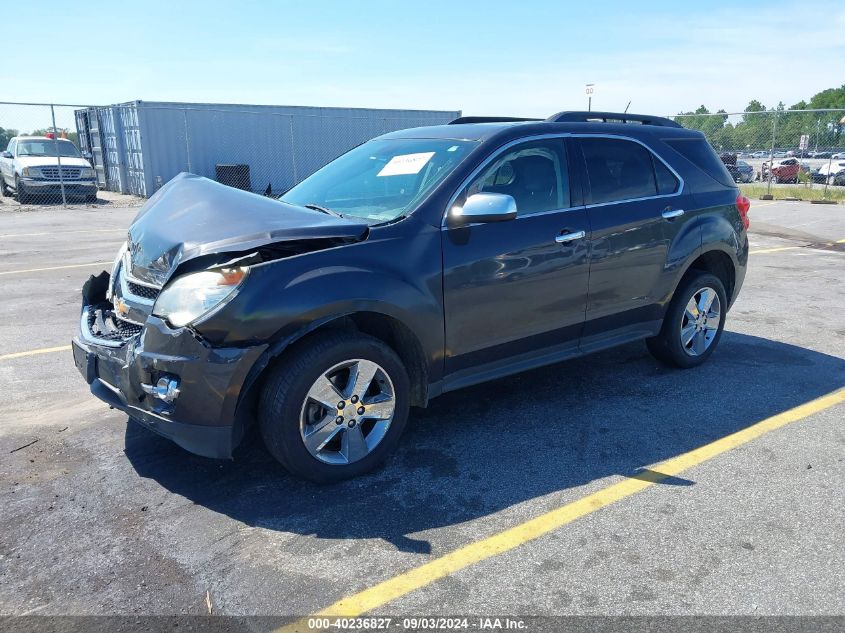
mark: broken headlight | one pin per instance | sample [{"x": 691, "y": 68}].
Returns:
[
  {"x": 188, "y": 298},
  {"x": 114, "y": 268}
]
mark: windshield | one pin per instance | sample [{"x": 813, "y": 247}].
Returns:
[
  {"x": 381, "y": 180},
  {"x": 47, "y": 147}
]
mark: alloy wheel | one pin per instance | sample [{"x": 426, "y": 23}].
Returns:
[
  {"x": 700, "y": 322},
  {"x": 347, "y": 411}
]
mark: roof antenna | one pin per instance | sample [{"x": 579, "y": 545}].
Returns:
[{"x": 626, "y": 108}]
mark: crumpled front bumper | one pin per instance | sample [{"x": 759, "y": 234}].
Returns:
[{"x": 204, "y": 418}]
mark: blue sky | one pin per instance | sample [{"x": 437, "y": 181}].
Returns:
[{"x": 516, "y": 58}]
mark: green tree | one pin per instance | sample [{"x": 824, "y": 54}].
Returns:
[{"x": 5, "y": 135}]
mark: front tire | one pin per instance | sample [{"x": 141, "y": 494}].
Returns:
[
  {"x": 693, "y": 323},
  {"x": 20, "y": 195},
  {"x": 335, "y": 406}
]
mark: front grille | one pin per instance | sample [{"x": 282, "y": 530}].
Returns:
[
  {"x": 106, "y": 325},
  {"x": 68, "y": 173},
  {"x": 142, "y": 291}
]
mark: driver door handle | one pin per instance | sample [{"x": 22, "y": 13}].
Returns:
[
  {"x": 670, "y": 213},
  {"x": 564, "y": 238}
]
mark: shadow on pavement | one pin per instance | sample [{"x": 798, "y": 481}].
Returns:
[{"x": 484, "y": 448}]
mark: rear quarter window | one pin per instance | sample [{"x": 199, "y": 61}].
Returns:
[{"x": 699, "y": 152}]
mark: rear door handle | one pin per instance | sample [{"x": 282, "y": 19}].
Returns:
[
  {"x": 563, "y": 238},
  {"x": 670, "y": 213}
]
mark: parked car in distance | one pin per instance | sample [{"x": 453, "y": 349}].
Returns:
[
  {"x": 729, "y": 161},
  {"x": 838, "y": 155},
  {"x": 830, "y": 172},
  {"x": 30, "y": 167},
  {"x": 421, "y": 262},
  {"x": 760, "y": 154},
  {"x": 739, "y": 170},
  {"x": 745, "y": 172},
  {"x": 783, "y": 170}
]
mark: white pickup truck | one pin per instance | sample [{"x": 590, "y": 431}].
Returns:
[{"x": 30, "y": 167}]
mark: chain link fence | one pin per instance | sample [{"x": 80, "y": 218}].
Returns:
[
  {"x": 784, "y": 153},
  {"x": 121, "y": 154}
]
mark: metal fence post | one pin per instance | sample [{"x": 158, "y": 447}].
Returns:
[
  {"x": 293, "y": 152},
  {"x": 827, "y": 176},
  {"x": 772, "y": 154},
  {"x": 187, "y": 140},
  {"x": 58, "y": 157}
]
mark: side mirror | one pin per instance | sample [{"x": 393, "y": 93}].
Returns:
[
  {"x": 6, "y": 155},
  {"x": 87, "y": 156},
  {"x": 484, "y": 207}
]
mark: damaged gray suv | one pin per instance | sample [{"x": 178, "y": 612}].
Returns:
[{"x": 421, "y": 262}]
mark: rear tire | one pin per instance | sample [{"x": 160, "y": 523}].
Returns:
[
  {"x": 693, "y": 323},
  {"x": 323, "y": 424}
]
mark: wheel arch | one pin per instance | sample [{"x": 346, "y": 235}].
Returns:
[
  {"x": 716, "y": 262},
  {"x": 388, "y": 329}
]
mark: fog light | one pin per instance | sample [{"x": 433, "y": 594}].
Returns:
[{"x": 167, "y": 388}]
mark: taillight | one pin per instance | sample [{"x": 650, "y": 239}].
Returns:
[{"x": 743, "y": 205}]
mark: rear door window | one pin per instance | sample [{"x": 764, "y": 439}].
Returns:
[{"x": 618, "y": 170}]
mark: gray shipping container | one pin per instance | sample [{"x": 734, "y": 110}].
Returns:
[{"x": 140, "y": 145}]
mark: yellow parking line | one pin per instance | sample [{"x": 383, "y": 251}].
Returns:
[
  {"x": 418, "y": 577},
  {"x": 840, "y": 241},
  {"x": 35, "y": 352},
  {"x": 38, "y": 270},
  {"x": 61, "y": 232},
  {"x": 774, "y": 250}
]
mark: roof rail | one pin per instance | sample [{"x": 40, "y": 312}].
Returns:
[
  {"x": 488, "y": 119},
  {"x": 611, "y": 117}
]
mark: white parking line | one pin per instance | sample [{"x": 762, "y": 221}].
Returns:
[
  {"x": 38, "y": 270},
  {"x": 61, "y": 233}
]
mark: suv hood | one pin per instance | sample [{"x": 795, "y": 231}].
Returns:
[{"x": 192, "y": 216}]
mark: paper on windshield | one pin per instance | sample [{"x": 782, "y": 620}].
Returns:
[{"x": 405, "y": 164}]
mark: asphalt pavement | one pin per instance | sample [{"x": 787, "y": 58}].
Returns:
[{"x": 103, "y": 518}]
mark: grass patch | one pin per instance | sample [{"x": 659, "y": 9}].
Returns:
[{"x": 755, "y": 190}]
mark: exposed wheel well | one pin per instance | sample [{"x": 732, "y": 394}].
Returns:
[
  {"x": 716, "y": 263},
  {"x": 393, "y": 333}
]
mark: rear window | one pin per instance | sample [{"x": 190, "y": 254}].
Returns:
[{"x": 699, "y": 152}]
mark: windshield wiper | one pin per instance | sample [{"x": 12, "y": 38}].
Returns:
[{"x": 317, "y": 207}]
